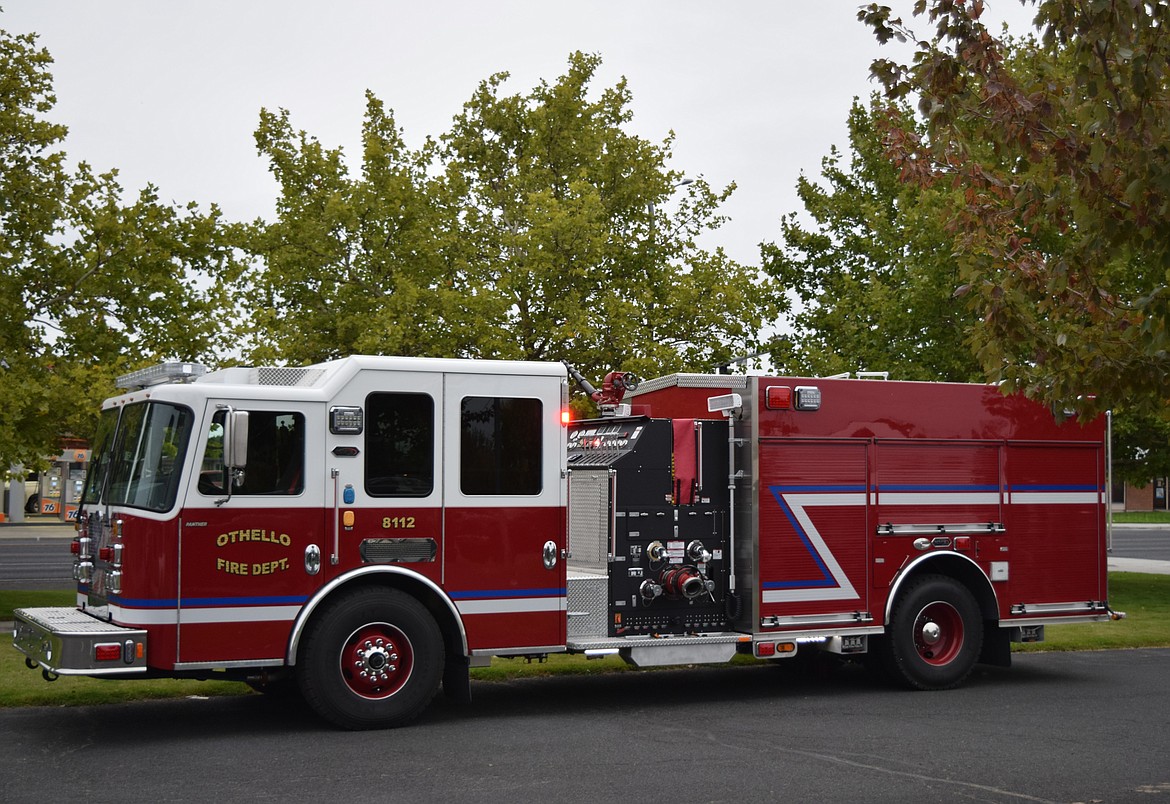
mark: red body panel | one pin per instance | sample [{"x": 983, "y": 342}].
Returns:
[
  {"x": 495, "y": 575},
  {"x": 843, "y": 492}
]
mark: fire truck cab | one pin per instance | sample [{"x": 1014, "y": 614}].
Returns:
[{"x": 369, "y": 528}]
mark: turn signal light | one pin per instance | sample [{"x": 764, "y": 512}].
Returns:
[{"x": 768, "y": 649}]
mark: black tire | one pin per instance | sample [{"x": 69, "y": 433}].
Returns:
[
  {"x": 934, "y": 636},
  {"x": 372, "y": 659}
]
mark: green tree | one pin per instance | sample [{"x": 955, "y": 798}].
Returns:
[
  {"x": 536, "y": 228},
  {"x": 1141, "y": 447},
  {"x": 573, "y": 225},
  {"x": 90, "y": 285},
  {"x": 874, "y": 272},
  {"x": 354, "y": 264},
  {"x": 1059, "y": 148}
]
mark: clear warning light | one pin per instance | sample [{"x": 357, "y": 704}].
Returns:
[{"x": 808, "y": 397}]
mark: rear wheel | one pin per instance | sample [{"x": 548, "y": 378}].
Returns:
[
  {"x": 372, "y": 659},
  {"x": 934, "y": 635}
]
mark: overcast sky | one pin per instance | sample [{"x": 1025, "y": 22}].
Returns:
[{"x": 170, "y": 93}]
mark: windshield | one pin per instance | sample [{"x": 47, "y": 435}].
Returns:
[
  {"x": 102, "y": 450},
  {"x": 138, "y": 463}
]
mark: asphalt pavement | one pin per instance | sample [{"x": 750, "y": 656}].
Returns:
[{"x": 1079, "y": 726}]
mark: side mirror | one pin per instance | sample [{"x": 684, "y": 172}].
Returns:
[{"x": 235, "y": 440}]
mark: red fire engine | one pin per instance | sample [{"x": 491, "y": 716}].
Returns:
[{"x": 367, "y": 529}]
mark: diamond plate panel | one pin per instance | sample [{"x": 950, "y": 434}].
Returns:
[{"x": 588, "y": 605}]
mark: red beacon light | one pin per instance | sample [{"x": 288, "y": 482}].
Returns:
[{"x": 778, "y": 397}]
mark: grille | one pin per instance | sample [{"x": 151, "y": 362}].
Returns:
[
  {"x": 589, "y": 507},
  {"x": 277, "y": 375},
  {"x": 405, "y": 551}
]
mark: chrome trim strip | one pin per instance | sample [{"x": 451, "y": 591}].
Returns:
[
  {"x": 889, "y": 529},
  {"x": 229, "y": 665},
  {"x": 518, "y": 651}
]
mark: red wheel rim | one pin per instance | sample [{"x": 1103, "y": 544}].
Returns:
[
  {"x": 376, "y": 660},
  {"x": 938, "y": 633}
]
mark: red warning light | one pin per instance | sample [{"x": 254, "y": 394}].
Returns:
[{"x": 778, "y": 397}]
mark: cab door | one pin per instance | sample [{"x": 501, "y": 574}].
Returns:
[
  {"x": 245, "y": 541},
  {"x": 504, "y": 509}
]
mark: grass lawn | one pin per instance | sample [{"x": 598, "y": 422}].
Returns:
[
  {"x": 1141, "y": 517},
  {"x": 1145, "y": 599}
]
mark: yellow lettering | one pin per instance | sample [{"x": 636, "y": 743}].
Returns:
[{"x": 231, "y": 567}]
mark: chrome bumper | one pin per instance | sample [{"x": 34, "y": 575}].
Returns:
[{"x": 69, "y": 642}]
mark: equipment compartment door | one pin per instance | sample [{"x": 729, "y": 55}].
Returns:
[
  {"x": 504, "y": 514},
  {"x": 1056, "y": 521},
  {"x": 813, "y": 533}
]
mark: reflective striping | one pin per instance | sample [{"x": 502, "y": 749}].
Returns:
[
  {"x": 483, "y": 594},
  {"x": 935, "y": 498},
  {"x": 194, "y": 616},
  {"x": 1055, "y": 497},
  {"x": 833, "y": 583},
  {"x": 247, "y": 614},
  {"x": 515, "y": 605}
]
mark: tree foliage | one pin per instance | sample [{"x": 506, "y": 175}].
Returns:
[
  {"x": 536, "y": 228},
  {"x": 90, "y": 285},
  {"x": 873, "y": 270},
  {"x": 1057, "y": 149}
]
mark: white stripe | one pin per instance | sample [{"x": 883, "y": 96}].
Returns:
[
  {"x": 193, "y": 616},
  {"x": 242, "y": 614},
  {"x": 1055, "y": 497},
  {"x": 124, "y": 616},
  {"x": 512, "y": 605},
  {"x": 938, "y": 498},
  {"x": 805, "y": 594}
]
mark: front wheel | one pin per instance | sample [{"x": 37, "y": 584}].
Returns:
[
  {"x": 934, "y": 635},
  {"x": 372, "y": 659}
]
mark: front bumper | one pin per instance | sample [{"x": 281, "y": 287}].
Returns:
[{"x": 69, "y": 642}]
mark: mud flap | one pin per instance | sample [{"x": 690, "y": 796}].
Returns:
[
  {"x": 997, "y": 645},
  {"x": 457, "y": 680}
]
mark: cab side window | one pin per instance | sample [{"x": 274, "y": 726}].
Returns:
[
  {"x": 400, "y": 445},
  {"x": 276, "y": 455},
  {"x": 500, "y": 445}
]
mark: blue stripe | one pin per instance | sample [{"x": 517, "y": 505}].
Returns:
[
  {"x": 486, "y": 594},
  {"x": 826, "y": 578},
  {"x": 810, "y": 584},
  {"x": 778, "y": 490},
  {"x": 285, "y": 600},
  {"x": 144, "y": 603}
]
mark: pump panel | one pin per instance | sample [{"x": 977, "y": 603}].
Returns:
[{"x": 662, "y": 507}]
